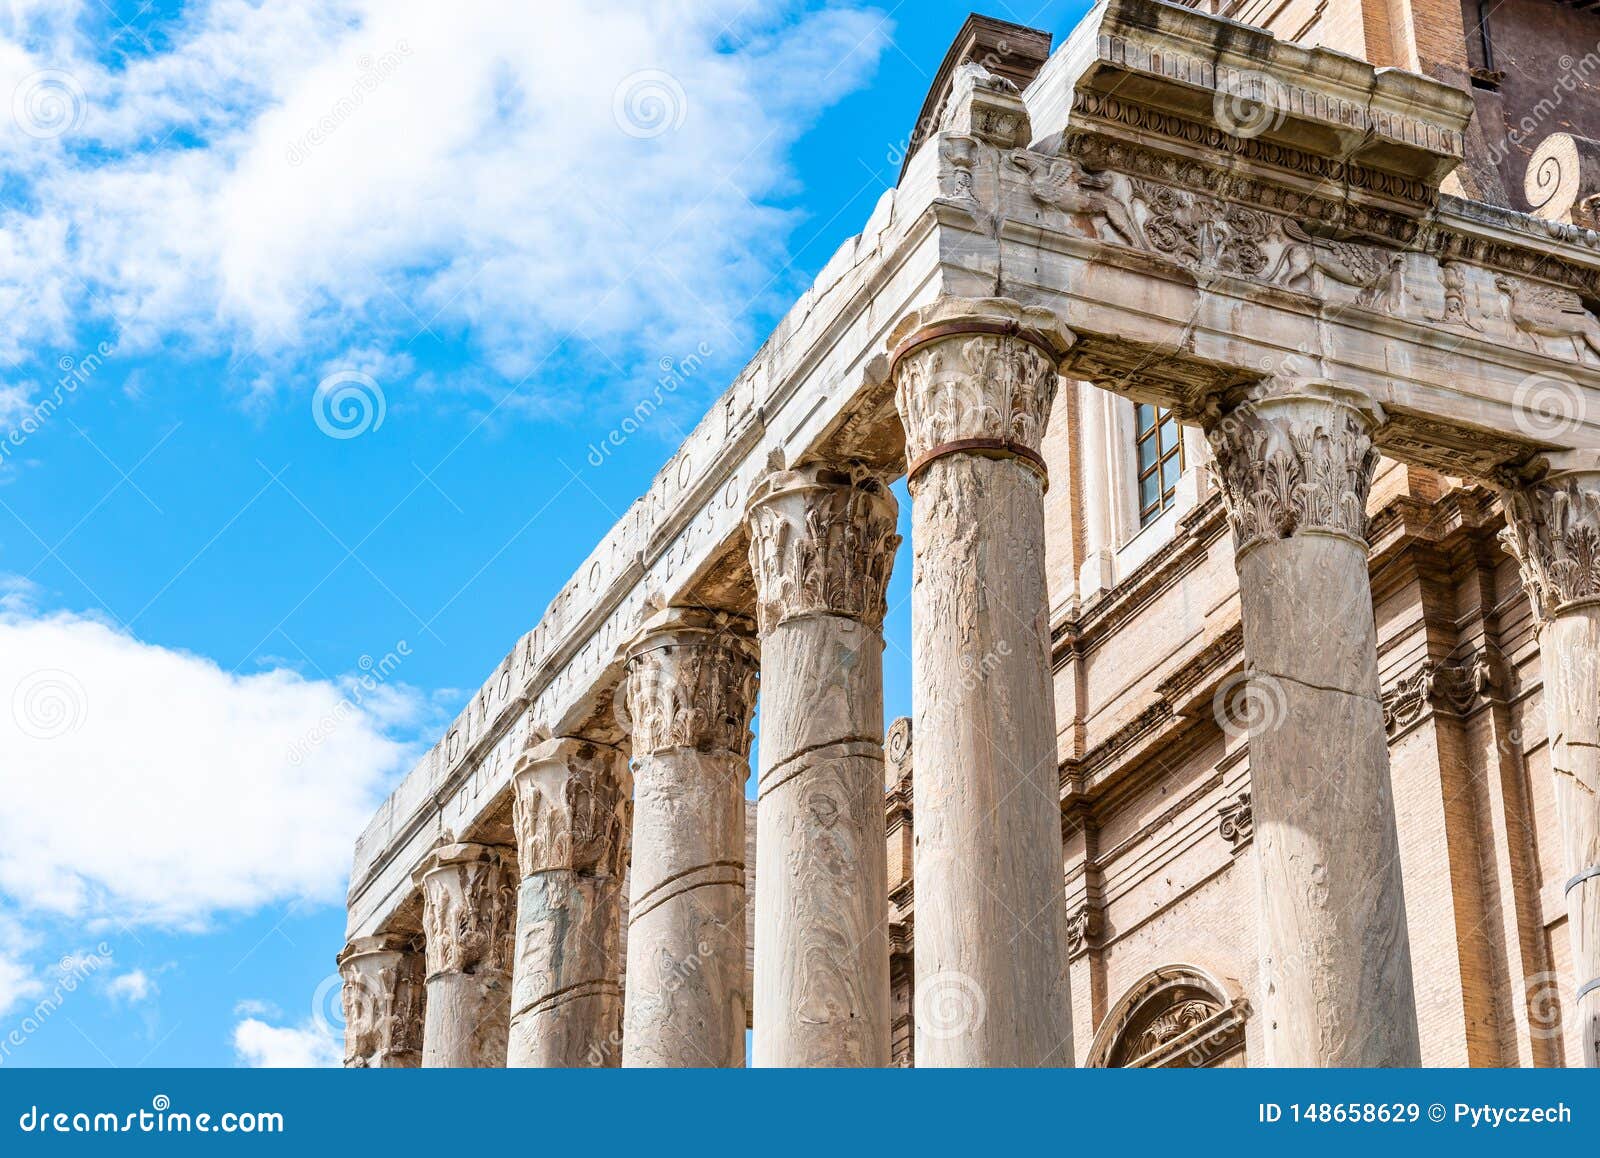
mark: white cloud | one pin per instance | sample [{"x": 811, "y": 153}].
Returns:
[
  {"x": 144, "y": 784},
  {"x": 281, "y": 176},
  {"x": 18, "y": 982},
  {"x": 132, "y": 987},
  {"x": 262, "y": 1046}
]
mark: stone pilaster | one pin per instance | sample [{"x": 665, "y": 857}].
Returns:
[
  {"x": 469, "y": 908},
  {"x": 572, "y": 814},
  {"x": 383, "y": 998},
  {"x": 1553, "y": 528},
  {"x": 822, "y": 543},
  {"x": 690, "y": 693},
  {"x": 1295, "y": 461},
  {"x": 974, "y": 381}
]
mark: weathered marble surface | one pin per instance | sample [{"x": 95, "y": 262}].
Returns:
[
  {"x": 822, "y": 545},
  {"x": 690, "y": 696},
  {"x": 469, "y": 910},
  {"x": 1295, "y": 461},
  {"x": 573, "y": 815},
  {"x": 991, "y": 960},
  {"x": 1553, "y": 527},
  {"x": 383, "y": 998}
]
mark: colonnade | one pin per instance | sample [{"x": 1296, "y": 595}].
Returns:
[{"x": 521, "y": 961}]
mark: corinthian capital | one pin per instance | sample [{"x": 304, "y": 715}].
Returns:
[
  {"x": 1296, "y": 458},
  {"x": 383, "y": 998},
  {"x": 572, "y": 807},
  {"x": 692, "y": 682},
  {"x": 976, "y": 376},
  {"x": 822, "y": 542},
  {"x": 469, "y": 908},
  {"x": 1553, "y": 529}
]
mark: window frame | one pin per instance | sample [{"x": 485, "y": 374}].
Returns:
[{"x": 1165, "y": 453}]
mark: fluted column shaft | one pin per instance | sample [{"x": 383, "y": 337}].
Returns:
[
  {"x": 1553, "y": 527},
  {"x": 572, "y": 816},
  {"x": 822, "y": 542},
  {"x": 1296, "y": 462},
  {"x": 469, "y": 908},
  {"x": 383, "y": 998},
  {"x": 690, "y": 694},
  {"x": 974, "y": 382}
]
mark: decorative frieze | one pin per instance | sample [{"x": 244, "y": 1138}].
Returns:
[
  {"x": 691, "y": 683},
  {"x": 469, "y": 908},
  {"x": 822, "y": 542},
  {"x": 383, "y": 999},
  {"x": 572, "y": 808},
  {"x": 1295, "y": 458},
  {"x": 976, "y": 376},
  {"x": 1553, "y": 530},
  {"x": 1455, "y": 685}
]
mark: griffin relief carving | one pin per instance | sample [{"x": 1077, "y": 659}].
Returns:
[{"x": 1541, "y": 312}]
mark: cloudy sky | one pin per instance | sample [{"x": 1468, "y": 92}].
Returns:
[{"x": 309, "y": 313}]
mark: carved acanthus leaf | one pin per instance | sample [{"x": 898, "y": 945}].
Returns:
[
  {"x": 692, "y": 683},
  {"x": 383, "y": 999},
  {"x": 469, "y": 909},
  {"x": 1553, "y": 530},
  {"x": 1293, "y": 459},
  {"x": 822, "y": 541},
  {"x": 572, "y": 808},
  {"x": 995, "y": 387}
]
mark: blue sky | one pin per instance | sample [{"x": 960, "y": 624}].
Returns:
[{"x": 312, "y": 313}]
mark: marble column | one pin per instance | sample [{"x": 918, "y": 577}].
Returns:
[
  {"x": 1553, "y": 528},
  {"x": 469, "y": 908},
  {"x": 822, "y": 542},
  {"x": 974, "y": 381},
  {"x": 1295, "y": 460},
  {"x": 572, "y": 813},
  {"x": 383, "y": 998},
  {"x": 691, "y": 682}
]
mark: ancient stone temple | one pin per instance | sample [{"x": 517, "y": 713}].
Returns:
[{"x": 1242, "y": 365}]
